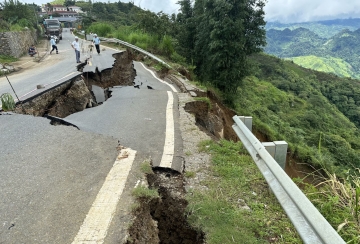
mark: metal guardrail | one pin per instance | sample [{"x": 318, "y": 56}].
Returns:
[
  {"x": 136, "y": 48},
  {"x": 311, "y": 225}
]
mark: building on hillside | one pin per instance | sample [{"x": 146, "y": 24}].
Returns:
[
  {"x": 61, "y": 10},
  {"x": 66, "y": 15},
  {"x": 75, "y": 8}
]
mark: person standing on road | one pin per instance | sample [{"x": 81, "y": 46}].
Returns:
[
  {"x": 96, "y": 41},
  {"x": 53, "y": 45},
  {"x": 76, "y": 46}
]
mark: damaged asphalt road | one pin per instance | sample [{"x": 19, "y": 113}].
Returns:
[
  {"x": 51, "y": 175},
  {"x": 136, "y": 117}
]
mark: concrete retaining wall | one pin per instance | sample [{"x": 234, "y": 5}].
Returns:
[{"x": 17, "y": 43}]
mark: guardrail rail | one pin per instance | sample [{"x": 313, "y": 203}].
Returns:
[
  {"x": 312, "y": 227},
  {"x": 135, "y": 48}
]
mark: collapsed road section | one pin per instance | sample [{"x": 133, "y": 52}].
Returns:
[{"x": 81, "y": 91}]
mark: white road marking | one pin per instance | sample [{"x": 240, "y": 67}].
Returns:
[
  {"x": 60, "y": 78},
  {"x": 171, "y": 86},
  {"x": 97, "y": 221},
  {"x": 46, "y": 85},
  {"x": 168, "y": 153}
]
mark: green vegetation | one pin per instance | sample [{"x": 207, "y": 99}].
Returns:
[
  {"x": 7, "y": 59},
  {"x": 318, "y": 114},
  {"x": 290, "y": 103},
  {"x": 329, "y": 65},
  {"x": 190, "y": 174},
  {"x": 101, "y": 29},
  {"x": 142, "y": 192},
  {"x": 7, "y": 102},
  {"x": 196, "y": 35},
  {"x": 237, "y": 206},
  {"x": 145, "y": 167},
  {"x": 338, "y": 53},
  {"x": 338, "y": 201},
  {"x": 15, "y": 16},
  {"x": 204, "y": 99}
]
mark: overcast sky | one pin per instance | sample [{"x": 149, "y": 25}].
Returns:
[{"x": 276, "y": 10}]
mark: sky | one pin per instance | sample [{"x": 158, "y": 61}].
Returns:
[{"x": 286, "y": 11}]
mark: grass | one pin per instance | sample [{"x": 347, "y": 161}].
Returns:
[
  {"x": 7, "y": 59},
  {"x": 190, "y": 174},
  {"x": 204, "y": 99},
  {"x": 145, "y": 167},
  {"x": 329, "y": 65},
  {"x": 338, "y": 202},
  {"x": 188, "y": 153},
  {"x": 142, "y": 192},
  {"x": 229, "y": 211}
]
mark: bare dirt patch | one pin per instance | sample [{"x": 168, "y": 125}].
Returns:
[
  {"x": 213, "y": 117},
  {"x": 76, "y": 94},
  {"x": 122, "y": 73},
  {"x": 162, "y": 220}
]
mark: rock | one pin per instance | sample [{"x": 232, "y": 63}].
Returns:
[
  {"x": 9, "y": 67},
  {"x": 193, "y": 94}
]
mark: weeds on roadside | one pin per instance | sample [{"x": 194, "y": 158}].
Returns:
[
  {"x": 236, "y": 206},
  {"x": 145, "y": 167},
  {"x": 190, "y": 174},
  {"x": 337, "y": 199},
  {"x": 7, "y": 59},
  {"x": 7, "y": 102},
  {"x": 204, "y": 99},
  {"x": 142, "y": 192},
  {"x": 338, "y": 202}
]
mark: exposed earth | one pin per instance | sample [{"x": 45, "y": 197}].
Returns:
[{"x": 162, "y": 219}]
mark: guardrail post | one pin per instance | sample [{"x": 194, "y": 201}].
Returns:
[
  {"x": 310, "y": 224},
  {"x": 247, "y": 120},
  {"x": 270, "y": 147},
  {"x": 281, "y": 152},
  {"x": 277, "y": 150}
]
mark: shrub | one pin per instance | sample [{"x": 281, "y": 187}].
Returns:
[
  {"x": 7, "y": 101},
  {"x": 177, "y": 58},
  {"x": 166, "y": 46},
  {"x": 101, "y": 29}
]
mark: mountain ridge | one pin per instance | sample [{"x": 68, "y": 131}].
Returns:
[{"x": 301, "y": 43}]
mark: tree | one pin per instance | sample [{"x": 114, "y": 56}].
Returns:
[
  {"x": 68, "y": 3},
  {"x": 14, "y": 11},
  {"x": 227, "y": 32},
  {"x": 186, "y": 31}
]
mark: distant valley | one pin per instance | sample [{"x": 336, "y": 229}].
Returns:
[{"x": 331, "y": 46}]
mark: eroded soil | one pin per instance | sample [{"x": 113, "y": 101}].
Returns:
[{"x": 76, "y": 94}]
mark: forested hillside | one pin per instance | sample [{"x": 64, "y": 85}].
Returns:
[
  {"x": 306, "y": 108},
  {"x": 340, "y": 51},
  {"x": 325, "y": 28}
]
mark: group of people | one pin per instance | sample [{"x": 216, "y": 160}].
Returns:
[{"x": 75, "y": 45}]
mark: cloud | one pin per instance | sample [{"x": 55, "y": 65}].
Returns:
[{"x": 310, "y": 10}]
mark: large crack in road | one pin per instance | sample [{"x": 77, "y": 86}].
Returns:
[{"x": 163, "y": 220}]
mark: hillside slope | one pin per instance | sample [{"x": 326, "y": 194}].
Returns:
[
  {"x": 344, "y": 46},
  {"x": 316, "y": 113}
]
